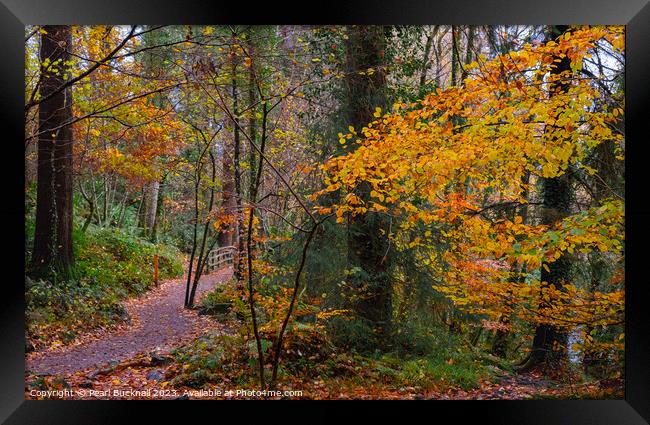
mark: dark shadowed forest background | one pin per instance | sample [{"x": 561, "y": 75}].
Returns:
[{"x": 338, "y": 211}]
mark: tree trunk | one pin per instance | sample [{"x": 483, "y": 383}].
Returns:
[
  {"x": 151, "y": 206},
  {"x": 367, "y": 247},
  {"x": 53, "y": 233},
  {"x": 91, "y": 208},
  {"x": 438, "y": 53},
  {"x": 91, "y": 212},
  {"x": 106, "y": 198},
  {"x": 252, "y": 121},
  {"x": 426, "y": 60},
  {"x": 455, "y": 55},
  {"x": 471, "y": 31},
  {"x": 203, "y": 254},
  {"x": 239, "y": 265},
  {"x": 549, "y": 343},
  {"x": 226, "y": 235},
  {"x": 195, "y": 230},
  {"x": 157, "y": 214},
  {"x": 228, "y": 205},
  {"x": 140, "y": 213}
]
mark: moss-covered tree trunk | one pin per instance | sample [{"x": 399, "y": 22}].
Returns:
[{"x": 367, "y": 244}]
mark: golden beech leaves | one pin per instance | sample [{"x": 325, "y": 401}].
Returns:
[
  {"x": 432, "y": 163},
  {"x": 128, "y": 138}
]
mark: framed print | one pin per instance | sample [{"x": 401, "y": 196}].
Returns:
[{"x": 375, "y": 201}]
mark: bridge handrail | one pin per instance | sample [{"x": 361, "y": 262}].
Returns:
[{"x": 218, "y": 257}]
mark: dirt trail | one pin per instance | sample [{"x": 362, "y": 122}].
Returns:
[{"x": 158, "y": 322}]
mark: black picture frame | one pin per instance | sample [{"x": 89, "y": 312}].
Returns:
[{"x": 635, "y": 14}]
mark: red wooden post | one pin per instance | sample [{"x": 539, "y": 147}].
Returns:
[{"x": 155, "y": 269}]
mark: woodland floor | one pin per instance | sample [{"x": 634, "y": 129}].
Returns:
[
  {"x": 131, "y": 361},
  {"x": 158, "y": 322}
]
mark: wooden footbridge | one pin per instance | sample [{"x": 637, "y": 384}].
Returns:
[{"x": 220, "y": 257}]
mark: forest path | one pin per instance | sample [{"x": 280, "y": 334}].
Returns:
[{"x": 158, "y": 323}]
